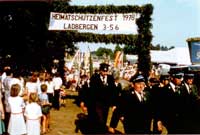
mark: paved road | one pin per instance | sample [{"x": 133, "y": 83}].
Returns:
[{"x": 62, "y": 121}]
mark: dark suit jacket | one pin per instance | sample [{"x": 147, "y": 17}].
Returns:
[
  {"x": 137, "y": 115},
  {"x": 177, "y": 110},
  {"x": 98, "y": 99},
  {"x": 102, "y": 93}
]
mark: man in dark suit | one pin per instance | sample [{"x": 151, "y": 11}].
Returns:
[
  {"x": 135, "y": 108},
  {"x": 156, "y": 100},
  {"x": 189, "y": 97},
  {"x": 98, "y": 99},
  {"x": 175, "y": 95}
]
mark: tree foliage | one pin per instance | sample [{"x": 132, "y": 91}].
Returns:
[
  {"x": 162, "y": 48},
  {"x": 23, "y": 35},
  {"x": 117, "y": 48},
  {"x": 104, "y": 51},
  {"x": 27, "y": 25}
]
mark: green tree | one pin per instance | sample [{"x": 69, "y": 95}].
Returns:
[
  {"x": 117, "y": 48},
  {"x": 130, "y": 49},
  {"x": 104, "y": 52},
  {"x": 160, "y": 47},
  {"x": 24, "y": 34},
  {"x": 171, "y": 47},
  {"x": 25, "y": 37}
]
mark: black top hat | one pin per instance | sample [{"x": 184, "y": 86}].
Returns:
[
  {"x": 137, "y": 78},
  {"x": 104, "y": 67}
]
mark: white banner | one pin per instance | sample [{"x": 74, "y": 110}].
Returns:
[{"x": 96, "y": 23}]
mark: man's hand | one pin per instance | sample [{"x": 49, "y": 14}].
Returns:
[
  {"x": 113, "y": 108},
  {"x": 160, "y": 125},
  {"x": 111, "y": 130},
  {"x": 83, "y": 108}
]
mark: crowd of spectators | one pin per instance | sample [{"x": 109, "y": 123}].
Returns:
[{"x": 26, "y": 101}]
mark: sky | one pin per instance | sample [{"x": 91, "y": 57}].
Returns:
[{"x": 174, "y": 21}]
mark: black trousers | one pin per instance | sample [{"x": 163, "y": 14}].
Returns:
[
  {"x": 97, "y": 117},
  {"x": 56, "y": 101},
  {"x": 50, "y": 96},
  {"x": 6, "y": 120}
]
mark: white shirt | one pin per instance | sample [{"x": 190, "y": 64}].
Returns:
[
  {"x": 50, "y": 86},
  {"x": 139, "y": 95},
  {"x": 33, "y": 111},
  {"x": 57, "y": 83},
  {"x": 173, "y": 86},
  {"x": 17, "y": 81},
  {"x": 16, "y": 104},
  {"x": 3, "y": 76},
  {"x": 104, "y": 79},
  {"x": 33, "y": 114},
  {"x": 32, "y": 87},
  {"x": 187, "y": 87}
]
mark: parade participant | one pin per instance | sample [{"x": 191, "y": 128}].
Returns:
[
  {"x": 6, "y": 94},
  {"x": 33, "y": 115},
  {"x": 16, "y": 124},
  {"x": 190, "y": 106},
  {"x": 46, "y": 106},
  {"x": 189, "y": 83},
  {"x": 153, "y": 82},
  {"x": 170, "y": 98},
  {"x": 115, "y": 117},
  {"x": 157, "y": 104},
  {"x": 98, "y": 99},
  {"x": 32, "y": 84},
  {"x": 50, "y": 87},
  {"x": 17, "y": 79},
  {"x": 175, "y": 95},
  {"x": 57, "y": 81},
  {"x": 82, "y": 88},
  {"x": 164, "y": 80},
  {"x": 135, "y": 108},
  {"x": 118, "y": 91}
]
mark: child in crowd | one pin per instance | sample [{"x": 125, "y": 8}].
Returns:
[
  {"x": 33, "y": 114},
  {"x": 46, "y": 106},
  {"x": 2, "y": 117},
  {"x": 16, "y": 124},
  {"x": 62, "y": 95}
]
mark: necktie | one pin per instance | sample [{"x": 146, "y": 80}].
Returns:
[
  {"x": 190, "y": 88},
  {"x": 104, "y": 80},
  {"x": 176, "y": 88},
  {"x": 141, "y": 97}
]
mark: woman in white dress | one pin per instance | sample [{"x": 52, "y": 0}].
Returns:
[
  {"x": 16, "y": 124},
  {"x": 33, "y": 115}
]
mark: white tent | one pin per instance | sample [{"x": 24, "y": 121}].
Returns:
[{"x": 179, "y": 56}]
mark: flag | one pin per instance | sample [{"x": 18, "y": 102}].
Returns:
[
  {"x": 87, "y": 59},
  {"x": 74, "y": 60},
  {"x": 118, "y": 63},
  {"x": 91, "y": 62}
]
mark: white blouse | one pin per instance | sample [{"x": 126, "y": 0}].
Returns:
[{"x": 16, "y": 104}]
